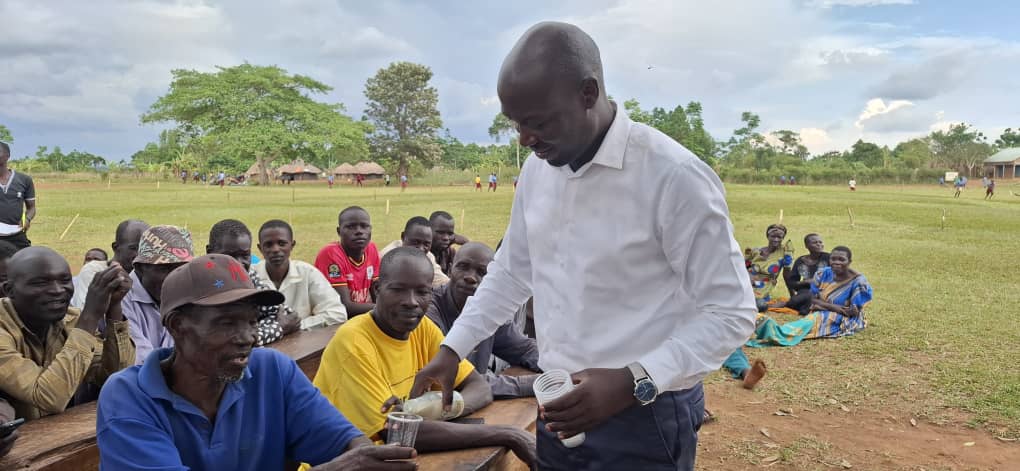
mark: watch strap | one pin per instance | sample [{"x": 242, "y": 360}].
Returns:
[{"x": 637, "y": 371}]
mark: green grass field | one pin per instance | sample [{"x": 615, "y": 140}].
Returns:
[{"x": 944, "y": 334}]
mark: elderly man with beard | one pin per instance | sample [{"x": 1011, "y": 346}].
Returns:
[{"x": 214, "y": 401}]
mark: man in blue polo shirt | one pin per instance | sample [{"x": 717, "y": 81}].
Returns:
[{"x": 216, "y": 402}]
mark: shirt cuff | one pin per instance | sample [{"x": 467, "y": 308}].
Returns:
[
  {"x": 460, "y": 342},
  {"x": 83, "y": 342}
]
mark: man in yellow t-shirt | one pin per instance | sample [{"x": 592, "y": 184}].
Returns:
[{"x": 371, "y": 362}]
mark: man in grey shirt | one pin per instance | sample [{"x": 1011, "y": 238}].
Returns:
[
  {"x": 17, "y": 198},
  {"x": 508, "y": 344}
]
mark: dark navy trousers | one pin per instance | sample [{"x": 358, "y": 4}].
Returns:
[{"x": 660, "y": 436}]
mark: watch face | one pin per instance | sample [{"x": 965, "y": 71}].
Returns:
[{"x": 645, "y": 391}]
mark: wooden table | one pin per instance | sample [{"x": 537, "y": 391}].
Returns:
[
  {"x": 520, "y": 413},
  {"x": 67, "y": 441}
]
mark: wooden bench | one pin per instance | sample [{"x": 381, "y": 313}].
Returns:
[
  {"x": 67, "y": 441},
  {"x": 520, "y": 413}
]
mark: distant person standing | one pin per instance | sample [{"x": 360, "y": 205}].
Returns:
[
  {"x": 478, "y": 183},
  {"x": 793, "y": 180},
  {"x": 958, "y": 185},
  {"x": 184, "y": 177},
  {"x": 403, "y": 182},
  {"x": 782, "y": 179},
  {"x": 329, "y": 180},
  {"x": 221, "y": 179},
  {"x": 387, "y": 177},
  {"x": 984, "y": 181},
  {"x": 853, "y": 184},
  {"x": 492, "y": 182},
  {"x": 990, "y": 189},
  {"x": 17, "y": 203}
]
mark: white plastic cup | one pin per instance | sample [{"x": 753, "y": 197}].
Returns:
[
  {"x": 551, "y": 385},
  {"x": 402, "y": 428}
]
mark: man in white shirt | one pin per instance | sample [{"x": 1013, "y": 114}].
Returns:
[
  {"x": 307, "y": 292},
  {"x": 623, "y": 237},
  {"x": 418, "y": 234}
]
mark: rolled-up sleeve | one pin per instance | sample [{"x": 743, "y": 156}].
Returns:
[
  {"x": 117, "y": 353},
  {"x": 697, "y": 238}
]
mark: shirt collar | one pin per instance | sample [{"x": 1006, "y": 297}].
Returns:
[
  {"x": 447, "y": 307},
  {"x": 153, "y": 383},
  {"x": 614, "y": 145},
  {"x": 262, "y": 270},
  {"x": 138, "y": 293}
]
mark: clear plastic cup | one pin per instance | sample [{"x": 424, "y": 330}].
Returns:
[
  {"x": 402, "y": 428},
  {"x": 551, "y": 385}
]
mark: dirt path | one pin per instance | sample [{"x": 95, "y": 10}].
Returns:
[{"x": 837, "y": 437}]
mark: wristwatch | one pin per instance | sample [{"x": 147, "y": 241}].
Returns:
[{"x": 645, "y": 390}]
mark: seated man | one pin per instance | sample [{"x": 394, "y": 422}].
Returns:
[
  {"x": 95, "y": 255},
  {"x": 125, "y": 248},
  {"x": 231, "y": 237},
  {"x": 48, "y": 350},
  {"x": 307, "y": 292},
  {"x": 213, "y": 401},
  {"x": 353, "y": 263},
  {"x": 798, "y": 280},
  {"x": 418, "y": 234},
  {"x": 161, "y": 250},
  {"x": 443, "y": 238},
  {"x": 509, "y": 344},
  {"x": 371, "y": 362}
]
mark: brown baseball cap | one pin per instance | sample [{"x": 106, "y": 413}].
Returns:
[{"x": 212, "y": 280}]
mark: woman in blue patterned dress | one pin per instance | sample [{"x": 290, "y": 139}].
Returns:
[{"x": 837, "y": 309}]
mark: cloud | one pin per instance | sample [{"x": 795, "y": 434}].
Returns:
[
  {"x": 816, "y": 140},
  {"x": 894, "y": 116},
  {"x": 926, "y": 80}
]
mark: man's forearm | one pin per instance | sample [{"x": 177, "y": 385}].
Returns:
[{"x": 434, "y": 435}]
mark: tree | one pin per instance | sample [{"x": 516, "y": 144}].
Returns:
[
  {"x": 5, "y": 134},
  {"x": 403, "y": 107},
  {"x": 502, "y": 126},
  {"x": 913, "y": 154},
  {"x": 961, "y": 147},
  {"x": 1009, "y": 138},
  {"x": 866, "y": 153},
  {"x": 259, "y": 112},
  {"x": 790, "y": 144},
  {"x": 684, "y": 125}
]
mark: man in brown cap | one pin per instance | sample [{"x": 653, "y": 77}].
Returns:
[
  {"x": 48, "y": 351},
  {"x": 161, "y": 250},
  {"x": 161, "y": 414}
]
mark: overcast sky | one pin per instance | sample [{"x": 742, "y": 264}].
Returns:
[{"x": 78, "y": 74}]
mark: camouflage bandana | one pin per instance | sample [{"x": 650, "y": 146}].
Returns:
[{"x": 161, "y": 245}]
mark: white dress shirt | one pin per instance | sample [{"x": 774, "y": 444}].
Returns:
[
  {"x": 308, "y": 294},
  {"x": 631, "y": 258}
]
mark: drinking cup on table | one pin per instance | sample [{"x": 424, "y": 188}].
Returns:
[
  {"x": 551, "y": 385},
  {"x": 402, "y": 428}
]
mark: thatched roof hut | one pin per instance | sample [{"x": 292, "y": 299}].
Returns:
[
  {"x": 369, "y": 169},
  {"x": 344, "y": 170},
  {"x": 299, "y": 170},
  {"x": 256, "y": 170}
]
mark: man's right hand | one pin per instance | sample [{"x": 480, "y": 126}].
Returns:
[
  {"x": 442, "y": 370},
  {"x": 289, "y": 322},
  {"x": 373, "y": 458},
  {"x": 522, "y": 443}
]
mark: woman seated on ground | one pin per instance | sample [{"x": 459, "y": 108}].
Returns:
[
  {"x": 798, "y": 279},
  {"x": 837, "y": 309},
  {"x": 765, "y": 264}
]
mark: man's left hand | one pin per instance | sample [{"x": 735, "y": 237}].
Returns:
[
  {"x": 598, "y": 394},
  {"x": 26, "y": 225}
]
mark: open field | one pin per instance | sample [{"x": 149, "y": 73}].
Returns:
[{"x": 942, "y": 347}]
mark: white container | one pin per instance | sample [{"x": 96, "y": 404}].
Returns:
[
  {"x": 430, "y": 406},
  {"x": 551, "y": 385}
]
